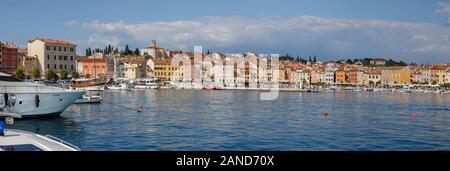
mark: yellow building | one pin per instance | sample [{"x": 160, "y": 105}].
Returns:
[
  {"x": 438, "y": 74},
  {"x": 395, "y": 76},
  {"x": 164, "y": 70}
]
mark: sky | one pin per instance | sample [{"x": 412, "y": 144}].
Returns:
[{"x": 408, "y": 30}]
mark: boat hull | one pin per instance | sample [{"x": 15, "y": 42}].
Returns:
[{"x": 43, "y": 104}]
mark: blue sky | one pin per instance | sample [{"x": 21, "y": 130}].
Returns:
[{"x": 410, "y": 30}]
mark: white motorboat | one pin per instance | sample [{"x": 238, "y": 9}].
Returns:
[
  {"x": 120, "y": 87},
  {"x": 19, "y": 140},
  {"x": 89, "y": 98},
  {"x": 32, "y": 100},
  {"x": 145, "y": 83}
]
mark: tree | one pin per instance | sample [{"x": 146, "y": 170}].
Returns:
[
  {"x": 49, "y": 74},
  {"x": 127, "y": 50},
  {"x": 315, "y": 59},
  {"x": 349, "y": 61},
  {"x": 36, "y": 73},
  {"x": 310, "y": 59},
  {"x": 20, "y": 74},
  {"x": 136, "y": 52},
  {"x": 434, "y": 82},
  {"x": 75, "y": 75},
  {"x": 63, "y": 74}
]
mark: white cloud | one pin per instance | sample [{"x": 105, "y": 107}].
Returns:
[
  {"x": 103, "y": 40},
  {"x": 328, "y": 36},
  {"x": 444, "y": 8}
]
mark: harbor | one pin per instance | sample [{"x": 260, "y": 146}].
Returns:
[{"x": 234, "y": 120}]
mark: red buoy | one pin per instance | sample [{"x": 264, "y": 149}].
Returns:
[{"x": 414, "y": 116}]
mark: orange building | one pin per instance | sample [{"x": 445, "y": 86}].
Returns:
[
  {"x": 353, "y": 76},
  {"x": 92, "y": 67},
  {"x": 340, "y": 76}
]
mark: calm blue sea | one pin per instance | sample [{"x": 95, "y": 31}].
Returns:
[{"x": 238, "y": 120}]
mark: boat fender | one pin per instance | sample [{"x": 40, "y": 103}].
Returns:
[
  {"x": 37, "y": 101},
  {"x": 6, "y": 98}
]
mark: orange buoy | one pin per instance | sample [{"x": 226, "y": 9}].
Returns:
[
  {"x": 325, "y": 113},
  {"x": 414, "y": 116}
]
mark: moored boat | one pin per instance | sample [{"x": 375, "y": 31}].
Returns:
[
  {"x": 33, "y": 100},
  {"x": 87, "y": 84}
]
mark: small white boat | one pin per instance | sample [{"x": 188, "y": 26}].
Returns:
[
  {"x": 19, "y": 140},
  {"x": 358, "y": 89},
  {"x": 120, "y": 87},
  {"x": 145, "y": 83},
  {"x": 378, "y": 90},
  {"x": 89, "y": 98}
]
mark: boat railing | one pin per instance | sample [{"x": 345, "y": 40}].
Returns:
[
  {"x": 63, "y": 142},
  {"x": 6, "y": 89}
]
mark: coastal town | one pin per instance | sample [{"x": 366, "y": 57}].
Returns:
[{"x": 50, "y": 60}]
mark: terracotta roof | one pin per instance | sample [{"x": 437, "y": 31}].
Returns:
[
  {"x": 51, "y": 41},
  {"x": 439, "y": 67},
  {"x": 88, "y": 60}
]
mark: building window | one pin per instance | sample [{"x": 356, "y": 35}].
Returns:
[
  {"x": 65, "y": 58},
  {"x": 71, "y": 49},
  {"x": 71, "y": 58},
  {"x": 65, "y": 49},
  {"x": 48, "y": 47},
  {"x": 71, "y": 67},
  {"x": 48, "y": 57},
  {"x": 48, "y": 66},
  {"x": 65, "y": 66},
  {"x": 54, "y": 66},
  {"x": 60, "y": 57},
  {"x": 60, "y": 66}
]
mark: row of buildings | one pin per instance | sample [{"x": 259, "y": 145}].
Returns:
[{"x": 56, "y": 55}]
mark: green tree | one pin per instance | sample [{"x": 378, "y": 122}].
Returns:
[
  {"x": 49, "y": 75},
  {"x": 20, "y": 74},
  {"x": 136, "y": 52},
  {"x": 127, "y": 50},
  {"x": 434, "y": 82},
  {"x": 63, "y": 74},
  {"x": 75, "y": 75},
  {"x": 36, "y": 73}
]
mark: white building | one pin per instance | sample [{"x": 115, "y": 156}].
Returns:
[
  {"x": 304, "y": 77},
  {"x": 425, "y": 75},
  {"x": 373, "y": 77},
  {"x": 321, "y": 77},
  {"x": 329, "y": 74},
  {"x": 53, "y": 55},
  {"x": 154, "y": 51}
]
